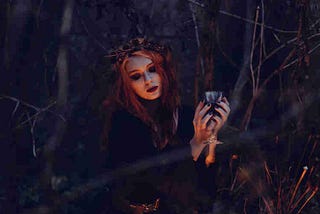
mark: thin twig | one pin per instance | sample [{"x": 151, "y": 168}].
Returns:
[
  {"x": 276, "y": 37},
  {"x": 37, "y": 109},
  {"x": 240, "y": 186},
  {"x": 245, "y": 173},
  {"x": 39, "y": 112},
  {"x": 266, "y": 202},
  {"x": 279, "y": 196},
  {"x": 283, "y": 66},
  {"x": 303, "y": 154},
  {"x": 269, "y": 179},
  {"x": 15, "y": 108},
  {"x": 32, "y": 125},
  {"x": 252, "y": 22},
  {"x": 245, "y": 19},
  {"x": 310, "y": 172},
  {"x": 261, "y": 45},
  {"x": 22, "y": 102},
  {"x": 313, "y": 149},
  {"x": 246, "y": 118},
  {"x": 300, "y": 198},
  {"x": 296, "y": 60},
  {"x": 305, "y": 168},
  {"x": 196, "y": 30},
  {"x": 252, "y": 52},
  {"x": 314, "y": 24},
  {"x": 244, "y": 206},
  {"x": 273, "y": 52},
  {"x": 234, "y": 181},
  {"x": 305, "y": 203}
]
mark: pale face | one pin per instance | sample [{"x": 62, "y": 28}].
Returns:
[{"x": 144, "y": 79}]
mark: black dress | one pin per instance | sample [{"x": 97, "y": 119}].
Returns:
[{"x": 147, "y": 173}]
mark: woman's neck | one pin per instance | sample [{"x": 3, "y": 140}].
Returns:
[{"x": 152, "y": 106}]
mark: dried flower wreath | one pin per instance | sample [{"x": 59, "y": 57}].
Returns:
[{"x": 136, "y": 45}]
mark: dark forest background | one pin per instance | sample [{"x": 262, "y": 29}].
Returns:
[{"x": 264, "y": 55}]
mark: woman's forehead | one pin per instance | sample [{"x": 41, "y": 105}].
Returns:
[{"x": 137, "y": 62}]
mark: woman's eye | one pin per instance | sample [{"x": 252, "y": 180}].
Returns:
[
  {"x": 135, "y": 76},
  {"x": 152, "y": 69}
]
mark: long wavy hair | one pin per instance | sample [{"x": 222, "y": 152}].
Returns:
[{"x": 163, "y": 127}]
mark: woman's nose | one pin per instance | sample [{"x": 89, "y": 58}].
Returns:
[{"x": 147, "y": 77}]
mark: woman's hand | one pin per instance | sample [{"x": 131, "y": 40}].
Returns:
[
  {"x": 202, "y": 125},
  {"x": 205, "y": 125}
]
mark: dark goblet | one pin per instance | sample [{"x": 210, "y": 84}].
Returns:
[{"x": 212, "y": 97}]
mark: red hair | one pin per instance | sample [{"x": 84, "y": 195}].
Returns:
[{"x": 125, "y": 97}]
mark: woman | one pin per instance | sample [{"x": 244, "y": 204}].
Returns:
[{"x": 148, "y": 123}]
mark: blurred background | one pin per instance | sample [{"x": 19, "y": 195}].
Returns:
[{"x": 263, "y": 54}]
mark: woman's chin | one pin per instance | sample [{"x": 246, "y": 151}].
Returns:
[{"x": 151, "y": 97}]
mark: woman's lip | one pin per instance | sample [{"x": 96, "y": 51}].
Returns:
[{"x": 152, "y": 89}]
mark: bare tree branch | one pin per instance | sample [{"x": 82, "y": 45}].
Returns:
[
  {"x": 252, "y": 51},
  {"x": 261, "y": 44},
  {"x": 41, "y": 111},
  {"x": 197, "y": 74},
  {"x": 32, "y": 125},
  {"x": 245, "y": 19},
  {"x": 37, "y": 109},
  {"x": 20, "y": 101},
  {"x": 196, "y": 30},
  {"x": 243, "y": 74},
  {"x": 296, "y": 60},
  {"x": 62, "y": 98},
  {"x": 314, "y": 24}
]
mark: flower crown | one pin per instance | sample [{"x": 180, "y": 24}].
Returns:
[{"x": 135, "y": 45}]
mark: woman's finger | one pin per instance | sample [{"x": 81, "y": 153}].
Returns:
[
  {"x": 224, "y": 106},
  {"x": 225, "y": 100},
  {"x": 199, "y": 107},
  {"x": 196, "y": 113},
  {"x": 203, "y": 111},
  {"x": 211, "y": 125},
  {"x": 205, "y": 120},
  {"x": 218, "y": 120},
  {"x": 222, "y": 113}
]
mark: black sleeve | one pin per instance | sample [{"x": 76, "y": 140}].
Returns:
[{"x": 205, "y": 175}]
